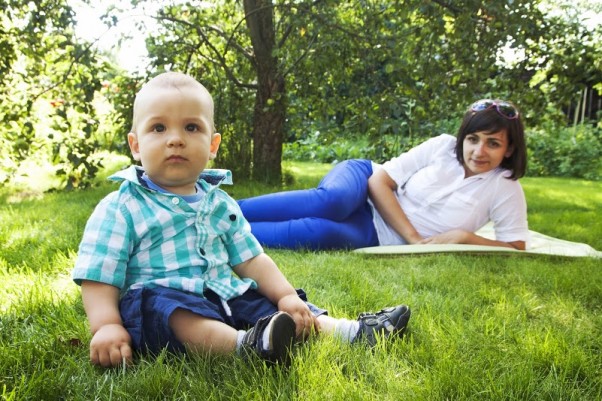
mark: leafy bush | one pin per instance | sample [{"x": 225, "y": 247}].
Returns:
[
  {"x": 565, "y": 152},
  {"x": 553, "y": 151},
  {"x": 317, "y": 148}
]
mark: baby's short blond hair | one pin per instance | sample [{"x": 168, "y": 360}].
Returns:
[{"x": 169, "y": 80}]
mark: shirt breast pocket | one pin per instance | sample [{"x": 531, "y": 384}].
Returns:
[{"x": 460, "y": 211}]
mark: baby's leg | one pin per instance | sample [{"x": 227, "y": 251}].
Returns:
[
  {"x": 202, "y": 335},
  {"x": 271, "y": 338},
  {"x": 369, "y": 326}
]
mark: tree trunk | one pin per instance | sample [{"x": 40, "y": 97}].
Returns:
[{"x": 270, "y": 101}]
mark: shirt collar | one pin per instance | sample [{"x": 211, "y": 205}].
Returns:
[
  {"x": 485, "y": 175},
  {"x": 208, "y": 178}
]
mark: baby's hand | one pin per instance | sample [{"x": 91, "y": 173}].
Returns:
[
  {"x": 110, "y": 346},
  {"x": 305, "y": 321}
]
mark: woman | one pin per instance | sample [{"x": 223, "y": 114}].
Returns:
[{"x": 441, "y": 191}]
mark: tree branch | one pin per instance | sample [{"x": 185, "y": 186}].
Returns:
[{"x": 219, "y": 58}]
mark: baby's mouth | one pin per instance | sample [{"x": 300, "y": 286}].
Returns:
[{"x": 176, "y": 158}]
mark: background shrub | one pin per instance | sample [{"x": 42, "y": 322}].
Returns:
[{"x": 565, "y": 152}]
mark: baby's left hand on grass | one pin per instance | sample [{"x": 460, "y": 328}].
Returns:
[{"x": 111, "y": 346}]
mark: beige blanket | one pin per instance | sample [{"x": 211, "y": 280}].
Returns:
[{"x": 538, "y": 244}]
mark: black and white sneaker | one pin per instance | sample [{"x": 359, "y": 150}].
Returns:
[
  {"x": 388, "y": 322},
  {"x": 271, "y": 338}
]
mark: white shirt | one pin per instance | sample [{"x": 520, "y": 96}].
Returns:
[{"x": 436, "y": 197}]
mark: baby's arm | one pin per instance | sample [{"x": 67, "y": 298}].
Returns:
[
  {"x": 273, "y": 285},
  {"x": 110, "y": 345}
]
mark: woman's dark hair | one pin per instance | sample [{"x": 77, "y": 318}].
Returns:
[{"x": 491, "y": 121}]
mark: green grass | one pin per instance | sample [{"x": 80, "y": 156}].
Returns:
[{"x": 483, "y": 327}]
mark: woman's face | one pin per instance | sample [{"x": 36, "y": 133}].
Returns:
[{"x": 483, "y": 152}]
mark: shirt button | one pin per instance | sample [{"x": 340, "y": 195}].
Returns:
[
  {"x": 175, "y": 201},
  {"x": 202, "y": 251}
]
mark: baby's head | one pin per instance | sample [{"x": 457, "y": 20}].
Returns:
[
  {"x": 174, "y": 80},
  {"x": 172, "y": 134}
]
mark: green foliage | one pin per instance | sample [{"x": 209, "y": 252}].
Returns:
[
  {"x": 565, "y": 152},
  {"x": 316, "y": 148},
  {"x": 50, "y": 81},
  {"x": 410, "y": 62},
  {"x": 372, "y": 77},
  {"x": 119, "y": 91}
]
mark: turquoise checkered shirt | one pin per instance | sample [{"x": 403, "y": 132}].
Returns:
[{"x": 137, "y": 237}]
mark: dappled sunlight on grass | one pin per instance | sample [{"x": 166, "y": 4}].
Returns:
[
  {"x": 35, "y": 176},
  {"x": 307, "y": 174},
  {"x": 296, "y": 175},
  {"x": 24, "y": 289},
  {"x": 563, "y": 193},
  {"x": 564, "y": 208}
]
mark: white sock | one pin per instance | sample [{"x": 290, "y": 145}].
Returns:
[
  {"x": 265, "y": 337},
  {"x": 241, "y": 335},
  {"x": 346, "y": 330}
]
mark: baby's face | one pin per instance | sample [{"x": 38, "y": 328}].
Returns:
[{"x": 174, "y": 136}]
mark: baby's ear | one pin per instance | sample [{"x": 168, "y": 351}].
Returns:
[
  {"x": 216, "y": 139},
  {"x": 134, "y": 146}
]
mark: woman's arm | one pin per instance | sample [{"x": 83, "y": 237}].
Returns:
[
  {"x": 467, "y": 237},
  {"x": 381, "y": 189},
  {"x": 110, "y": 345}
]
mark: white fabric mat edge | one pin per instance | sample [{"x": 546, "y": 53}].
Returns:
[{"x": 538, "y": 244}]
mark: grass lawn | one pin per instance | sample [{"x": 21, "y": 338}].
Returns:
[{"x": 483, "y": 327}]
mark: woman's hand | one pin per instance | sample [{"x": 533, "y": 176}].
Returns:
[
  {"x": 449, "y": 237},
  {"x": 305, "y": 321}
]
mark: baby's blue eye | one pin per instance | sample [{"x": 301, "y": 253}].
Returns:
[
  {"x": 159, "y": 128},
  {"x": 192, "y": 127}
]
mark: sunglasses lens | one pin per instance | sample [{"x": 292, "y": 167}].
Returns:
[
  {"x": 482, "y": 105},
  {"x": 504, "y": 108},
  {"x": 507, "y": 110}
]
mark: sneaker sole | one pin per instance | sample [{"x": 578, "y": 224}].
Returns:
[{"x": 282, "y": 337}]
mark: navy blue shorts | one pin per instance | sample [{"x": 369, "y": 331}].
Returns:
[{"x": 145, "y": 313}]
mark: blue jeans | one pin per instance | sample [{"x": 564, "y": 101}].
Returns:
[{"x": 335, "y": 215}]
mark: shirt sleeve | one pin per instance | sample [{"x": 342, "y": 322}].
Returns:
[
  {"x": 105, "y": 247},
  {"x": 509, "y": 211},
  {"x": 402, "y": 167},
  {"x": 240, "y": 243}
]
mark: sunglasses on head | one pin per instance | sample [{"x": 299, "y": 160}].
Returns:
[{"x": 505, "y": 109}]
